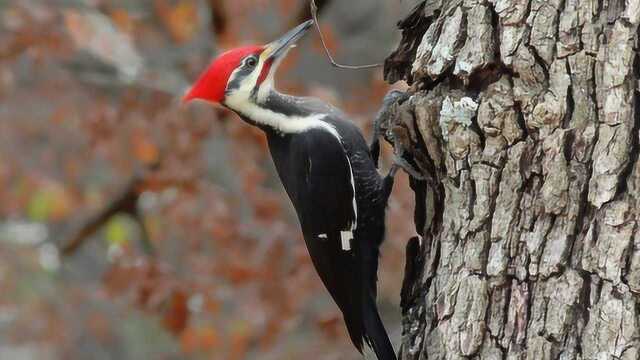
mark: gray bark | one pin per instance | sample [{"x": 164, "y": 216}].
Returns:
[{"x": 524, "y": 121}]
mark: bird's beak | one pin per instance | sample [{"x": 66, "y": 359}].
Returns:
[{"x": 277, "y": 49}]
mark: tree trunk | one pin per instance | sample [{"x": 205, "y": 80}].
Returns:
[{"x": 524, "y": 121}]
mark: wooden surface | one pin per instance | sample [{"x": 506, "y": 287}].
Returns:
[{"x": 524, "y": 124}]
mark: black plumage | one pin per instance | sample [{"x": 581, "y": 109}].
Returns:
[{"x": 315, "y": 168}]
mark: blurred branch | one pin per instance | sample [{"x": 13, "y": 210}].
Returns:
[
  {"x": 219, "y": 19},
  {"x": 98, "y": 74},
  {"x": 125, "y": 201}
]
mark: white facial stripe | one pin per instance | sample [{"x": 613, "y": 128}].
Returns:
[{"x": 246, "y": 85}]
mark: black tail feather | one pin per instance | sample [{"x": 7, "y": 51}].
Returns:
[{"x": 376, "y": 335}]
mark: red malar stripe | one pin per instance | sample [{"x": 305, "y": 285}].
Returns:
[{"x": 265, "y": 71}]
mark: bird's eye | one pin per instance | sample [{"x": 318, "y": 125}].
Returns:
[{"x": 252, "y": 61}]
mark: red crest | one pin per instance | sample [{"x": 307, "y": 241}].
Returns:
[{"x": 212, "y": 83}]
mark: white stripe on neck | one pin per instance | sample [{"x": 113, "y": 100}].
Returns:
[{"x": 280, "y": 122}]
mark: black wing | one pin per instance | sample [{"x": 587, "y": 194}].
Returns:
[
  {"x": 328, "y": 180},
  {"x": 317, "y": 176},
  {"x": 316, "y": 173}
]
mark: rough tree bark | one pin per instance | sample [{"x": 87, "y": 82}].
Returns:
[{"x": 524, "y": 122}]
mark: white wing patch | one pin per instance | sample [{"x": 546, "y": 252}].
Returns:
[
  {"x": 345, "y": 238},
  {"x": 322, "y": 236}
]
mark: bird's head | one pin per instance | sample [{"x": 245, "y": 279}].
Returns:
[{"x": 244, "y": 74}]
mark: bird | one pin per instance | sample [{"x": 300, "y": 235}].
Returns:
[{"x": 328, "y": 172}]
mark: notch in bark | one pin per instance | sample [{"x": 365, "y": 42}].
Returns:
[
  {"x": 412, "y": 272},
  {"x": 398, "y": 65}
]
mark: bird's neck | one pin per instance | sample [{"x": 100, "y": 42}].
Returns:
[
  {"x": 284, "y": 104},
  {"x": 276, "y": 112}
]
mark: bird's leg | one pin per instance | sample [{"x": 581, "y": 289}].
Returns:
[
  {"x": 400, "y": 161},
  {"x": 382, "y": 117},
  {"x": 380, "y": 125},
  {"x": 387, "y": 182}
]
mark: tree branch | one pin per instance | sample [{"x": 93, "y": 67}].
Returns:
[
  {"x": 219, "y": 19},
  {"x": 125, "y": 201}
]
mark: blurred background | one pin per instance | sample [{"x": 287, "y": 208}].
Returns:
[{"x": 132, "y": 227}]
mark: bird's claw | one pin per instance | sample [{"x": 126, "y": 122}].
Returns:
[
  {"x": 391, "y": 98},
  {"x": 400, "y": 162}
]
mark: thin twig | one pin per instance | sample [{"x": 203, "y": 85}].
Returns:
[
  {"x": 314, "y": 14},
  {"x": 304, "y": 13},
  {"x": 125, "y": 201}
]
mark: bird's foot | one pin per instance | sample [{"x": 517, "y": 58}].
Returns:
[
  {"x": 394, "y": 96},
  {"x": 400, "y": 162},
  {"x": 380, "y": 123}
]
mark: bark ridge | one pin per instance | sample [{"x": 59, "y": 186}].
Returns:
[{"x": 523, "y": 120}]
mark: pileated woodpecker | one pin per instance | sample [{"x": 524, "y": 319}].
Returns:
[{"x": 328, "y": 172}]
